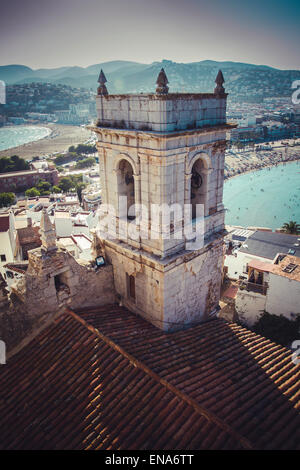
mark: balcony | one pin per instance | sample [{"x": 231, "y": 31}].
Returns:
[{"x": 253, "y": 287}]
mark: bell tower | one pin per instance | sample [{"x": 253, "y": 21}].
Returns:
[{"x": 161, "y": 160}]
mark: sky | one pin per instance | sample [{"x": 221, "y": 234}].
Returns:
[{"x": 55, "y": 33}]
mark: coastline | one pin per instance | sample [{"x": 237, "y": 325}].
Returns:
[
  {"x": 60, "y": 138},
  {"x": 27, "y": 126},
  {"x": 257, "y": 166},
  {"x": 257, "y": 200}
]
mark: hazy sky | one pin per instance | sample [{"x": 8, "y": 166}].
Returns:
[{"x": 53, "y": 33}]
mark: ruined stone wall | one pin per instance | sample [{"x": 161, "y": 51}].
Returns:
[
  {"x": 80, "y": 284},
  {"x": 37, "y": 298}
]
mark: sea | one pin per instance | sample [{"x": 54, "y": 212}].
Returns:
[
  {"x": 264, "y": 198},
  {"x": 18, "y": 135}
]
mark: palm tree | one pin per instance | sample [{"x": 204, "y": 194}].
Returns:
[{"x": 291, "y": 227}]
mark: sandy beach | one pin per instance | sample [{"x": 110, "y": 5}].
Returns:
[
  {"x": 244, "y": 162},
  {"x": 236, "y": 162},
  {"x": 60, "y": 139}
]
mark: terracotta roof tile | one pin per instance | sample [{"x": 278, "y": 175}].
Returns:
[
  {"x": 246, "y": 380},
  {"x": 107, "y": 379},
  {"x": 84, "y": 391}
]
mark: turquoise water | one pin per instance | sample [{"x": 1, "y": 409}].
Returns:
[
  {"x": 18, "y": 135},
  {"x": 264, "y": 198}
]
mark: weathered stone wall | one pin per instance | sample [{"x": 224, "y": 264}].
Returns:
[
  {"x": 161, "y": 113},
  {"x": 169, "y": 293},
  {"x": 162, "y": 170},
  {"x": 81, "y": 285},
  {"x": 37, "y": 298},
  {"x": 249, "y": 307},
  {"x": 192, "y": 289}
]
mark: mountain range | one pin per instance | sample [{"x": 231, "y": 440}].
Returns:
[{"x": 242, "y": 80}]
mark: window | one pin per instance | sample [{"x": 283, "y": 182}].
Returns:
[
  {"x": 131, "y": 286},
  {"x": 198, "y": 186},
  {"x": 3, "y": 258},
  {"x": 126, "y": 187}
]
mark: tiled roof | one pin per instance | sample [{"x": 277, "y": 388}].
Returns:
[
  {"x": 282, "y": 268},
  {"x": 107, "y": 379},
  {"x": 28, "y": 239},
  {"x": 18, "y": 267},
  {"x": 28, "y": 235},
  {"x": 246, "y": 380},
  {"x": 73, "y": 388}
]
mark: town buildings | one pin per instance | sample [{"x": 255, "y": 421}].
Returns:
[
  {"x": 261, "y": 245},
  {"x": 20, "y": 180}
]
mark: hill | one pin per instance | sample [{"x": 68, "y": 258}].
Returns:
[{"x": 245, "y": 82}]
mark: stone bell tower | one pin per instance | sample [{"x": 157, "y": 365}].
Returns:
[{"x": 157, "y": 151}]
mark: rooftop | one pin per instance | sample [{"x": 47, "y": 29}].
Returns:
[
  {"x": 289, "y": 267},
  {"x": 24, "y": 173},
  {"x": 107, "y": 379},
  {"x": 268, "y": 244},
  {"x": 28, "y": 235}
]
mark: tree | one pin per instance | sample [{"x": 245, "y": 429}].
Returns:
[
  {"x": 66, "y": 158},
  {"x": 13, "y": 163},
  {"x": 83, "y": 148},
  {"x": 7, "y": 199},
  {"x": 43, "y": 187},
  {"x": 291, "y": 227},
  {"x": 56, "y": 189},
  {"x": 87, "y": 162},
  {"x": 32, "y": 192},
  {"x": 79, "y": 189},
  {"x": 65, "y": 184}
]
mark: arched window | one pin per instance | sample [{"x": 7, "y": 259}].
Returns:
[
  {"x": 126, "y": 186},
  {"x": 198, "y": 186}
]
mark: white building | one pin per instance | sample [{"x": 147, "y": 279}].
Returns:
[
  {"x": 63, "y": 223},
  {"x": 271, "y": 287},
  {"x": 262, "y": 246},
  {"x": 7, "y": 239},
  {"x": 77, "y": 245}
]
